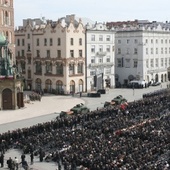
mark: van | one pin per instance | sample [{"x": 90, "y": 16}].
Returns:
[{"x": 137, "y": 84}]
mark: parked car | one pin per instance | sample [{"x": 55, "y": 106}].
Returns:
[{"x": 157, "y": 83}]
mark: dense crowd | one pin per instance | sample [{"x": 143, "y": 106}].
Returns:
[{"x": 111, "y": 138}]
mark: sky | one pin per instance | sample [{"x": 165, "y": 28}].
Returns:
[{"x": 96, "y": 10}]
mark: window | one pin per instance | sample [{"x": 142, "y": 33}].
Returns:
[
  {"x": 135, "y": 63},
  {"x": 18, "y": 53},
  {"x": 128, "y": 41},
  {"x": 162, "y": 50},
  {"x": 28, "y": 36},
  {"x": 107, "y": 37},
  {"x": 58, "y": 53},
  {"x": 100, "y": 37},
  {"x": 58, "y": 41},
  {"x": 108, "y": 59},
  {"x": 127, "y": 51},
  {"x": 23, "y": 42},
  {"x": 108, "y": 48},
  {"x": 28, "y": 47},
  {"x": 146, "y": 50},
  {"x": 59, "y": 68},
  {"x": 165, "y": 50},
  {"x": 152, "y": 63},
  {"x": 151, "y": 41},
  {"x": 162, "y": 62},
  {"x": 51, "y": 42},
  {"x": 38, "y": 67},
  {"x": 92, "y": 73},
  {"x": 119, "y": 41},
  {"x": 38, "y": 42},
  {"x": 48, "y": 67},
  {"x": 169, "y": 50},
  {"x": 29, "y": 74},
  {"x": 156, "y": 41},
  {"x": 100, "y": 60},
  {"x": 162, "y": 41},
  {"x": 151, "y": 50},
  {"x": 80, "y": 53},
  {"x": 166, "y": 41},
  {"x": 135, "y": 41},
  {"x": 45, "y": 42},
  {"x": 119, "y": 50},
  {"x": 156, "y": 62},
  {"x": 93, "y": 60},
  {"x": 93, "y": 48},
  {"x": 48, "y": 53},
  {"x": 146, "y": 41},
  {"x": 23, "y": 53},
  {"x": 92, "y": 37},
  {"x": 18, "y": 42},
  {"x": 119, "y": 62},
  {"x": 38, "y": 53},
  {"x": 71, "y": 69},
  {"x": 100, "y": 48},
  {"x": 80, "y": 41},
  {"x": 135, "y": 51},
  {"x": 29, "y": 60},
  {"x": 71, "y": 41},
  {"x": 127, "y": 63},
  {"x": 156, "y": 50},
  {"x": 80, "y": 68},
  {"x": 71, "y": 53}
]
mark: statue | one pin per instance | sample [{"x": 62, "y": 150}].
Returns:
[{"x": 5, "y": 65}]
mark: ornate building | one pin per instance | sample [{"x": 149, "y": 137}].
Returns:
[
  {"x": 11, "y": 91},
  {"x": 51, "y": 55},
  {"x": 7, "y": 25}
]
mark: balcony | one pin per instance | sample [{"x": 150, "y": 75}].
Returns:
[
  {"x": 101, "y": 54},
  {"x": 106, "y": 64}
]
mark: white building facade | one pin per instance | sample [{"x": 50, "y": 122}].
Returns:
[
  {"x": 51, "y": 55},
  {"x": 142, "y": 53},
  {"x": 100, "y": 57}
]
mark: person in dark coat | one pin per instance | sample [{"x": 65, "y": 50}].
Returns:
[
  {"x": 32, "y": 157},
  {"x": 2, "y": 160}
]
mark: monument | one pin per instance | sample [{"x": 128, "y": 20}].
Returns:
[{"x": 11, "y": 84}]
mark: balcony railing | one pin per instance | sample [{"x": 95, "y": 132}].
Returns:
[
  {"x": 106, "y": 64},
  {"x": 101, "y": 53}
]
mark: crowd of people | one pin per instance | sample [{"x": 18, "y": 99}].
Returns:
[
  {"x": 111, "y": 138},
  {"x": 35, "y": 96}
]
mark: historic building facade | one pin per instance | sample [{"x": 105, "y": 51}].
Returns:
[
  {"x": 51, "y": 55},
  {"x": 11, "y": 91},
  {"x": 7, "y": 25},
  {"x": 100, "y": 43},
  {"x": 142, "y": 52}
]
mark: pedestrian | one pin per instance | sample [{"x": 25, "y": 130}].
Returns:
[
  {"x": 9, "y": 163},
  {"x": 2, "y": 160},
  {"x": 16, "y": 163},
  {"x": 32, "y": 157}
]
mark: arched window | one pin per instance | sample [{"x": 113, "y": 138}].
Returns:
[
  {"x": 48, "y": 85},
  {"x": 38, "y": 84},
  {"x": 72, "y": 86},
  {"x": 59, "y": 87}
]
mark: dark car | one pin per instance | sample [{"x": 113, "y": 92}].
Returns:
[{"x": 156, "y": 83}]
